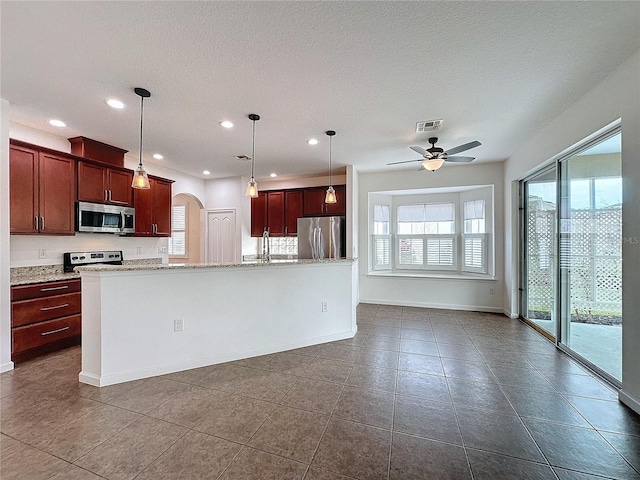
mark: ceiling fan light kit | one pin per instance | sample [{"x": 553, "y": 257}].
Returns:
[
  {"x": 434, "y": 157},
  {"x": 433, "y": 164}
]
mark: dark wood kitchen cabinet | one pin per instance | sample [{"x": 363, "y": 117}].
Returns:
[
  {"x": 314, "y": 205},
  {"x": 259, "y": 214},
  {"x": 270, "y": 211},
  {"x": 42, "y": 191},
  {"x": 44, "y": 317},
  {"x": 101, "y": 184},
  {"x": 153, "y": 208},
  {"x": 292, "y": 211},
  {"x": 275, "y": 213}
]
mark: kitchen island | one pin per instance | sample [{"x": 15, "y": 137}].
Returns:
[{"x": 143, "y": 321}]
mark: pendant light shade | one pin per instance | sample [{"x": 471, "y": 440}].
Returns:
[
  {"x": 330, "y": 197},
  {"x": 252, "y": 186},
  {"x": 140, "y": 177}
]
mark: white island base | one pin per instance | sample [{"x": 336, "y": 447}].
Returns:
[{"x": 228, "y": 312}]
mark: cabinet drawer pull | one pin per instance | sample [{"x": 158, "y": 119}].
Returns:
[
  {"x": 54, "y": 331},
  {"x": 54, "y": 288},
  {"x": 44, "y": 309}
]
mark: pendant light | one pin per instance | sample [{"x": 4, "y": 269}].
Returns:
[
  {"x": 252, "y": 186},
  {"x": 140, "y": 178},
  {"x": 330, "y": 197}
]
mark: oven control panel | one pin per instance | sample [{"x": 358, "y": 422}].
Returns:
[{"x": 76, "y": 259}]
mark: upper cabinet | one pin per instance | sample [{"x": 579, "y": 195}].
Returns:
[
  {"x": 259, "y": 214},
  {"x": 101, "y": 184},
  {"x": 292, "y": 211},
  {"x": 315, "y": 206},
  {"x": 268, "y": 214},
  {"x": 153, "y": 208},
  {"x": 42, "y": 191},
  {"x": 278, "y": 211}
]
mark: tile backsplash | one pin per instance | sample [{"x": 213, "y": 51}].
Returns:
[{"x": 26, "y": 249}]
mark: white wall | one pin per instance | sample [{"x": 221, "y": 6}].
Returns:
[
  {"x": 229, "y": 194},
  {"x": 616, "y": 97},
  {"x": 452, "y": 293},
  {"x": 5, "y": 292}
]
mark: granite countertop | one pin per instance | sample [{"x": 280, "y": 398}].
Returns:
[
  {"x": 191, "y": 266},
  {"x": 55, "y": 273}
]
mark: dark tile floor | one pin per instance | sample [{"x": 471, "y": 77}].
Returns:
[{"x": 416, "y": 394}]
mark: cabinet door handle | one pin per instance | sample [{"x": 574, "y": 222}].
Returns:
[
  {"x": 41, "y": 223},
  {"x": 36, "y": 223},
  {"x": 44, "y": 334},
  {"x": 49, "y": 289},
  {"x": 285, "y": 230},
  {"x": 45, "y": 309},
  {"x": 106, "y": 195}
]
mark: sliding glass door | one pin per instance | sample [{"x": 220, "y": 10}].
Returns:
[
  {"x": 571, "y": 230},
  {"x": 590, "y": 257},
  {"x": 539, "y": 259}
]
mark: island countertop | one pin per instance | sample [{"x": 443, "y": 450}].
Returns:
[{"x": 185, "y": 266}]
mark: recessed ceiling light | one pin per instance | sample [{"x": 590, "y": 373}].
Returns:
[
  {"x": 157, "y": 156},
  {"x": 273, "y": 175},
  {"x": 226, "y": 124},
  {"x": 57, "y": 123},
  {"x": 114, "y": 103},
  {"x": 206, "y": 172},
  {"x": 312, "y": 141}
]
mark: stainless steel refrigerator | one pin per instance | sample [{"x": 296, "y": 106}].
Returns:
[{"x": 321, "y": 237}]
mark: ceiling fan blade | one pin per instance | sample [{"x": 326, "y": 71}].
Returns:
[
  {"x": 459, "y": 159},
  {"x": 406, "y": 161},
  {"x": 419, "y": 149},
  {"x": 421, "y": 167},
  {"x": 462, "y": 148}
]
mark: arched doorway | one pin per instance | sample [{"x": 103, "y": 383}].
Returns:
[{"x": 185, "y": 244}]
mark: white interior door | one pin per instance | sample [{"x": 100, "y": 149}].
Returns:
[{"x": 221, "y": 230}]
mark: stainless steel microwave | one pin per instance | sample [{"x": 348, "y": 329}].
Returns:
[{"x": 99, "y": 218}]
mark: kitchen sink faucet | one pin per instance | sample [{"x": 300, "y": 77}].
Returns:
[{"x": 266, "y": 248}]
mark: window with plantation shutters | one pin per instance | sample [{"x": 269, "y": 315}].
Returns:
[
  {"x": 178, "y": 239},
  {"x": 473, "y": 238},
  {"x": 381, "y": 240},
  {"x": 432, "y": 232}
]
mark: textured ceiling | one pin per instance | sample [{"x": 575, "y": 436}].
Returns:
[{"x": 496, "y": 72}]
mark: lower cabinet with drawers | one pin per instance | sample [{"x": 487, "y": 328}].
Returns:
[{"x": 44, "y": 317}]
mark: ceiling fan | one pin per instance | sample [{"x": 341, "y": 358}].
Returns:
[{"x": 434, "y": 157}]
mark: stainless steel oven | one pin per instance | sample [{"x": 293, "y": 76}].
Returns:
[{"x": 99, "y": 218}]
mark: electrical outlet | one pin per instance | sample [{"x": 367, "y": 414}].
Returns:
[
  {"x": 324, "y": 306},
  {"x": 42, "y": 253},
  {"x": 178, "y": 325},
  {"x": 138, "y": 250},
  {"x": 162, "y": 250}
]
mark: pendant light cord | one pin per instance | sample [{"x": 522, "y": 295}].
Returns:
[
  {"x": 330, "y": 150},
  {"x": 141, "y": 115},
  {"x": 253, "y": 149}
]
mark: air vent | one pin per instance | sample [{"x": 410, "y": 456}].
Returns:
[
  {"x": 243, "y": 158},
  {"x": 428, "y": 126}
]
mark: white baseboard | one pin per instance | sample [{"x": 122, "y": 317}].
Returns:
[
  {"x": 507, "y": 313},
  {"x": 5, "y": 367},
  {"x": 443, "y": 306},
  {"x": 121, "y": 377},
  {"x": 629, "y": 401}
]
